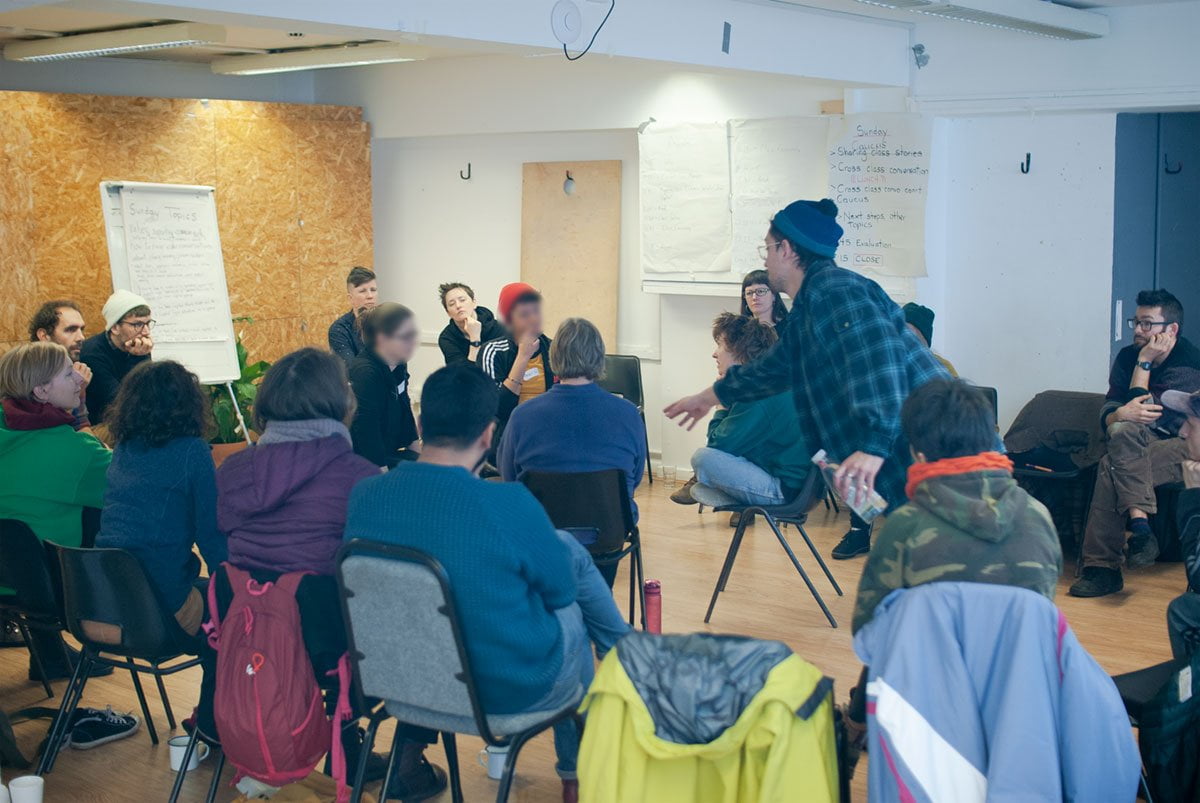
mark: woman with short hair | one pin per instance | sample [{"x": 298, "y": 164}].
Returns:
[
  {"x": 470, "y": 326},
  {"x": 283, "y": 502},
  {"x": 576, "y": 426},
  {"x": 760, "y": 301},
  {"x": 384, "y": 430},
  {"x": 162, "y": 488}
]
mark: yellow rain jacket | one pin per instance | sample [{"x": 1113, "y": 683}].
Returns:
[{"x": 780, "y": 747}]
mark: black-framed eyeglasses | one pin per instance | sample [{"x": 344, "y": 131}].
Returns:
[
  {"x": 1134, "y": 323},
  {"x": 756, "y": 292},
  {"x": 765, "y": 249},
  {"x": 138, "y": 326}
]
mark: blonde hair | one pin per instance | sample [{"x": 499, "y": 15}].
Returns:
[
  {"x": 29, "y": 366},
  {"x": 577, "y": 350}
]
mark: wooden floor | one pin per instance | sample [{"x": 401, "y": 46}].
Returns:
[{"x": 765, "y": 598}]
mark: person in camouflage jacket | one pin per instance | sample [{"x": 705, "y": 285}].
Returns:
[{"x": 967, "y": 520}]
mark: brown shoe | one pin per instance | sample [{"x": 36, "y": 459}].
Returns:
[{"x": 683, "y": 496}]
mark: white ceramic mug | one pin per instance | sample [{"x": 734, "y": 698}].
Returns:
[
  {"x": 4, "y": 798},
  {"x": 494, "y": 759},
  {"x": 26, "y": 789},
  {"x": 177, "y": 745}
]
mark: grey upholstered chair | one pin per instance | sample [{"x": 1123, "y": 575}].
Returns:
[{"x": 407, "y": 649}]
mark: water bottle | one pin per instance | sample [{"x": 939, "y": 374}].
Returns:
[
  {"x": 653, "y": 606},
  {"x": 867, "y": 506}
]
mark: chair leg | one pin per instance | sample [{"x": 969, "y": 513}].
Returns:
[
  {"x": 646, "y": 434},
  {"x": 162, "y": 693},
  {"x": 510, "y": 764},
  {"x": 803, "y": 574},
  {"x": 397, "y": 740},
  {"x": 451, "y": 744},
  {"x": 71, "y": 697},
  {"x": 35, "y": 654},
  {"x": 820, "y": 560},
  {"x": 216, "y": 779},
  {"x": 181, "y": 773},
  {"x": 734, "y": 544},
  {"x": 632, "y": 590},
  {"x": 360, "y": 772},
  {"x": 641, "y": 581},
  {"x": 141, "y": 695}
]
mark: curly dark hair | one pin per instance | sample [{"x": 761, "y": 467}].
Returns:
[
  {"x": 157, "y": 402},
  {"x": 746, "y": 338}
]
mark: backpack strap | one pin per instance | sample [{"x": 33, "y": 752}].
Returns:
[
  {"x": 341, "y": 713},
  {"x": 213, "y": 626}
]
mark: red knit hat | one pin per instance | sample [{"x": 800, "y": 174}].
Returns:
[{"x": 510, "y": 293}]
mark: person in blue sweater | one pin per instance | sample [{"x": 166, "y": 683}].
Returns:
[
  {"x": 162, "y": 490},
  {"x": 576, "y": 426},
  {"x": 529, "y": 597}
]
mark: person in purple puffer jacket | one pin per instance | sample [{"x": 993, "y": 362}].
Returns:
[{"x": 282, "y": 504}]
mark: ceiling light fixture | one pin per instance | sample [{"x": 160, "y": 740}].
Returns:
[
  {"x": 317, "y": 59},
  {"x": 1035, "y": 17},
  {"x": 115, "y": 43}
]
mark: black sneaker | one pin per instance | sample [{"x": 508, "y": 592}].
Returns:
[
  {"x": 96, "y": 727},
  {"x": 1143, "y": 549},
  {"x": 420, "y": 783},
  {"x": 58, "y": 671},
  {"x": 1097, "y": 581},
  {"x": 854, "y": 543}
]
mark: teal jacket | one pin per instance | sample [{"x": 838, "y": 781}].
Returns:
[{"x": 767, "y": 433}]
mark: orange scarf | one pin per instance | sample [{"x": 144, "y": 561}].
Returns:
[{"x": 919, "y": 472}]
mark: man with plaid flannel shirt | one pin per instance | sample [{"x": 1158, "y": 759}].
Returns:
[{"x": 844, "y": 352}]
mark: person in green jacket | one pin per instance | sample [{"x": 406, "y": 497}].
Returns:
[
  {"x": 755, "y": 453},
  {"x": 51, "y": 472}
]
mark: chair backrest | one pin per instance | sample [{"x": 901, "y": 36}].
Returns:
[
  {"x": 591, "y": 500},
  {"x": 623, "y": 376},
  {"x": 25, "y": 567},
  {"x": 110, "y": 587},
  {"x": 809, "y": 496},
  {"x": 402, "y": 626},
  {"x": 994, "y": 399}
]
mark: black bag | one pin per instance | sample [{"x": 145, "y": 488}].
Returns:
[{"x": 1169, "y": 737}]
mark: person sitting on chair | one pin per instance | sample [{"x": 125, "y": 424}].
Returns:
[
  {"x": 345, "y": 339},
  {"x": 1144, "y": 451},
  {"x": 1183, "y": 614},
  {"x": 756, "y": 454},
  {"x": 383, "y": 429},
  {"x": 113, "y": 353},
  {"x": 61, "y": 322},
  {"x": 470, "y": 325},
  {"x": 576, "y": 426},
  {"x": 528, "y": 596},
  {"x": 919, "y": 320},
  {"x": 518, "y": 363}
]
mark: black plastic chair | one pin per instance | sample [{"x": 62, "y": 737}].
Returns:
[
  {"x": 623, "y": 377},
  {"x": 110, "y": 587},
  {"x": 407, "y": 649},
  {"x": 26, "y": 568},
  {"x": 596, "y": 501},
  {"x": 994, "y": 400},
  {"x": 1138, "y": 689},
  {"x": 794, "y": 513}
]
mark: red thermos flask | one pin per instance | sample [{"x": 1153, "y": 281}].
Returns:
[{"x": 653, "y": 606}]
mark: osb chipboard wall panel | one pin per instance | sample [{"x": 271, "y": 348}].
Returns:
[
  {"x": 293, "y": 201},
  {"x": 570, "y": 243}
]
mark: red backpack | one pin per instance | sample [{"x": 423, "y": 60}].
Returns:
[{"x": 268, "y": 708}]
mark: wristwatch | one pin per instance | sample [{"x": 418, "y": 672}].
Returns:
[
  {"x": 1145, "y": 365},
  {"x": 475, "y": 343}
]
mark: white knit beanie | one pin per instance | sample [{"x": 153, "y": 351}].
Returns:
[{"x": 120, "y": 303}]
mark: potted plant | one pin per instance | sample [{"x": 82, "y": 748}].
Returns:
[{"x": 227, "y": 435}]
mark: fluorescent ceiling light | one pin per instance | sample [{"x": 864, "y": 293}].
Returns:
[
  {"x": 316, "y": 59},
  {"x": 1026, "y": 16},
  {"x": 910, "y": 4},
  {"x": 115, "y": 43}
]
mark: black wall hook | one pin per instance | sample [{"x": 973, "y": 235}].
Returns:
[
  {"x": 1025, "y": 165},
  {"x": 1171, "y": 170},
  {"x": 465, "y": 176}
]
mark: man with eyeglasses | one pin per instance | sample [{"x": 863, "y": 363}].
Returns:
[
  {"x": 1144, "y": 450},
  {"x": 113, "y": 353}
]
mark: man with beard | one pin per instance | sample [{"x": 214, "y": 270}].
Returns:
[{"x": 61, "y": 322}]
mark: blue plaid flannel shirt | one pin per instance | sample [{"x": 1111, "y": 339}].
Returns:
[{"x": 850, "y": 363}]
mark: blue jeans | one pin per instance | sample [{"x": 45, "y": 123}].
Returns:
[
  {"x": 594, "y": 616},
  {"x": 729, "y": 480}
]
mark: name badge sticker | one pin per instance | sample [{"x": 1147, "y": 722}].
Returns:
[{"x": 532, "y": 373}]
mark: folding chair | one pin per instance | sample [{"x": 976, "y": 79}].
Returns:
[
  {"x": 596, "y": 502},
  {"x": 408, "y": 649},
  {"x": 795, "y": 513},
  {"x": 1138, "y": 689},
  {"x": 623, "y": 377},
  {"x": 110, "y": 587},
  {"x": 36, "y": 604}
]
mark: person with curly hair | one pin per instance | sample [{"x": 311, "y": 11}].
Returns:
[{"x": 162, "y": 487}]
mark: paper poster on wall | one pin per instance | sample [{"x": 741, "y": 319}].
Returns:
[
  {"x": 684, "y": 192},
  {"x": 174, "y": 259},
  {"x": 775, "y": 162},
  {"x": 879, "y": 177}
]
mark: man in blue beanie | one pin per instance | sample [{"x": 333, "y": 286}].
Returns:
[{"x": 845, "y": 353}]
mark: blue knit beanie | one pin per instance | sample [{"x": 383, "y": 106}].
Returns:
[{"x": 811, "y": 225}]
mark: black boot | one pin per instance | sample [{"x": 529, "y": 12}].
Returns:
[{"x": 415, "y": 778}]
